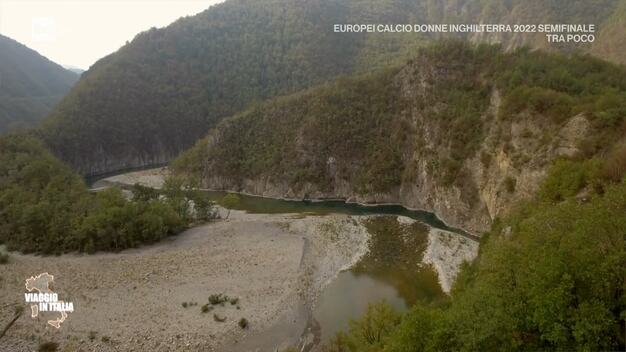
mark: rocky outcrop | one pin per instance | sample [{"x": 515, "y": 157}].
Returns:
[{"x": 446, "y": 252}]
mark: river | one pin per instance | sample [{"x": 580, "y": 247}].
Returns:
[{"x": 394, "y": 269}]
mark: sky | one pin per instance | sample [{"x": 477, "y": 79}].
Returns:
[{"x": 78, "y": 33}]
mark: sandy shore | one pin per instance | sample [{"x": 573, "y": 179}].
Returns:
[
  {"x": 154, "y": 178},
  {"x": 132, "y": 301}
]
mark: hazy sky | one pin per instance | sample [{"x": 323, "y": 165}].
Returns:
[{"x": 78, "y": 33}]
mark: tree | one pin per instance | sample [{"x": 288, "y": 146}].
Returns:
[{"x": 46, "y": 208}]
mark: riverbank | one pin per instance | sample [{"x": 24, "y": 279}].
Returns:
[
  {"x": 155, "y": 178},
  {"x": 133, "y": 300}
]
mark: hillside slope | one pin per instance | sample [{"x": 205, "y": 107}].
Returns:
[
  {"x": 464, "y": 132},
  {"x": 157, "y": 95},
  {"x": 30, "y": 85},
  {"x": 610, "y": 44}
]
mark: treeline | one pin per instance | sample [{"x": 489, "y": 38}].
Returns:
[
  {"x": 551, "y": 276},
  {"x": 46, "y": 208}
]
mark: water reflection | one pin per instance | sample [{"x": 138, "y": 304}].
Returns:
[
  {"x": 348, "y": 297},
  {"x": 392, "y": 270}
]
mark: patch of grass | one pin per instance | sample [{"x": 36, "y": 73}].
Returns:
[
  {"x": 509, "y": 184},
  {"x": 331, "y": 230},
  {"x": 218, "y": 298},
  {"x": 185, "y": 304},
  {"x": 4, "y": 258},
  {"x": 105, "y": 339},
  {"x": 206, "y": 308},
  {"x": 48, "y": 346},
  {"x": 485, "y": 158},
  {"x": 233, "y": 301},
  {"x": 243, "y": 323}
]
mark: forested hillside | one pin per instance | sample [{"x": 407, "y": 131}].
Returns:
[
  {"x": 45, "y": 207},
  {"x": 464, "y": 132},
  {"x": 30, "y": 85},
  {"x": 157, "y": 95},
  {"x": 609, "y": 46}
]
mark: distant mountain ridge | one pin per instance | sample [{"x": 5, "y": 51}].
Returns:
[
  {"x": 77, "y": 70},
  {"x": 164, "y": 90},
  {"x": 30, "y": 85}
]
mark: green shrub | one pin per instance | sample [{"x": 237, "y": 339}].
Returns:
[
  {"x": 46, "y": 208},
  {"x": 548, "y": 102},
  {"x": 509, "y": 184},
  {"x": 230, "y": 201},
  {"x": 485, "y": 159},
  {"x": 218, "y": 298},
  {"x": 49, "y": 346},
  {"x": 368, "y": 333},
  {"x": 566, "y": 178},
  {"x": 243, "y": 323},
  {"x": 206, "y": 308},
  {"x": 614, "y": 167},
  {"x": 4, "y": 258},
  {"x": 144, "y": 193}
]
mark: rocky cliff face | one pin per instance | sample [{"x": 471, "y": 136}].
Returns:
[
  {"x": 503, "y": 159},
  {"x": 486, "y": 193}
]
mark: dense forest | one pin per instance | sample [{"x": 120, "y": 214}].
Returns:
[
  {"x": 160, "y": 93},
  {"x": 30, "y": 85},
  {"x": 46, "y": 208}
]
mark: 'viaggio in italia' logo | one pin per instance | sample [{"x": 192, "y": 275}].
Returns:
[{"x": 43, "y": 299}]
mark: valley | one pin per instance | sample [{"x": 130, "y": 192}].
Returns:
[
  {"x": 318, "y": 176},
  {"x": 282, "y": 267}
]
